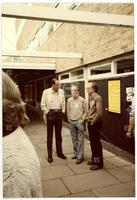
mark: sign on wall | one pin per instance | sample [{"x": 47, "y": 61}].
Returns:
[
  {"x": 114, "y": 98},
  {"x": 129, "y": 93}
]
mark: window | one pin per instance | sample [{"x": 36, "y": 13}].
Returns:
[
  {"x": 65, "y": 76},
  {"x": 77, "y": 74},
  {"x": 124, "y": 66},
  {"x": 100, "y": 70}
]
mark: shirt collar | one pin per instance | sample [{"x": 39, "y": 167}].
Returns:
[
  {"x": 52, "y": 91},
  {"x": 93, "y": 95}
]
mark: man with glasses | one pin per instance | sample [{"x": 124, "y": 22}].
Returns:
[
  {"x": 76, "y": 112},
  {"x": 53, "y": 106},
  {"x": 94, "y": 119}
]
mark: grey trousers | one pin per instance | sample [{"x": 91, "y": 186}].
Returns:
[{"x": 77, "y": 133}]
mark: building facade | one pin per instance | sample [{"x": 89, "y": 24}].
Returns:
[{"x": 108, "y": 59}]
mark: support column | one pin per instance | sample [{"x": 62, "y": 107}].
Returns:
[
  {"x": 86, "y": 82},
  {"x": 114, "y": 67}
]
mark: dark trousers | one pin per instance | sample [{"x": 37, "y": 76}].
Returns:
[
  {"x": 54, "y": 119},
  {"x": 95, "y": 143}
]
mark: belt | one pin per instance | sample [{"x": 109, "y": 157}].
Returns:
[
  {"x": 55, "y": 110},
  {"x": 74, "y": 120}
]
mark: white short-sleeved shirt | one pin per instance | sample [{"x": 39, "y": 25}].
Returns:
[{"x": 21, "y": 166}]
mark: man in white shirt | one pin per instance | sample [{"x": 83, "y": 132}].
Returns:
[{"x": 53, "y": 106}]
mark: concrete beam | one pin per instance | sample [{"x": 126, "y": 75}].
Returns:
[
  {"x": 66, "y": 16},
  {"x": 36, "y": 66},
  {"x": 42, "y": 54}
]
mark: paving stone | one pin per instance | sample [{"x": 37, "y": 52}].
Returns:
[
  {"x": 79, "y": 168},
  {"x": 54, "y": 188},
  {"x": 87, "y": 181},
  {"x": 44, "y": 138},
  {"x": 120, "y": 190},
  {"x": 86, "y": 141},
  {"x": 42, "y": 154},
  {"x": 35, "y": 136},
  {"x": 123, "y": 174},
  {"x": 59, "y": 161},
  {"x": 67, "y": 140},
  {"x": 42, "y": 146},
  {"x": 65, "y": 131},
  {"x": 108, "y": 165},
  {"x": 87, "y": 148},
  {"x": 108, "y": 154},
  {"x": 44, "y": 163},
  {"x": 83, "y": 194},
  {"x": 53, "y": 172},
  {"x": 117, "y": 161},
  {"x": 37, "y": 140},
  {"x": 67, "y": 148},
  {"x": 67, "y": 136},
  {"x": 87, "y": 155},
  {"x": 65, "y": 145}
]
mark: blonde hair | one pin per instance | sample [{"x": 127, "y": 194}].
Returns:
[{"x": 14, "y": 112}]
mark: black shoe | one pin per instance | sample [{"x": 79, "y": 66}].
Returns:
[
  {"x": 95, "y": 167},
  {"x": 50, "y": 160},
  {"x": 62, "y": 156}
]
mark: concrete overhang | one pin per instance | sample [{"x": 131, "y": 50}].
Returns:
[
  {"x": 66, "y": 16},
  {"x": 42, "y": 54},
  {"x": 21, "y": 65}
]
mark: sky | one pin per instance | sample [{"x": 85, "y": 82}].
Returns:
[{"x": 8, "y": 34}]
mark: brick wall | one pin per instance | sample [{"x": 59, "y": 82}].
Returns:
[{"x": 95, "y": 42}]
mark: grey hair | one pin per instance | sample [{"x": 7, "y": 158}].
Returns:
[{"x": 76, "y": 85}]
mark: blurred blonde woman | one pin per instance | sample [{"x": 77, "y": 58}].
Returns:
[{"x": 21, "y": 166}]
